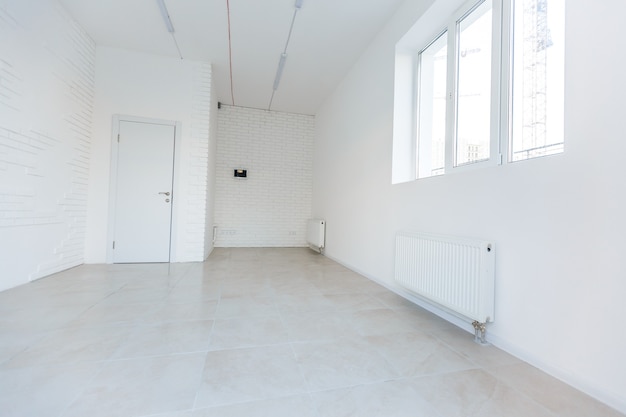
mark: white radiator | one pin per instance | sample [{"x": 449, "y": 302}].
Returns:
[
  {"x": 457, "y": 274},
  {"x": 316, "y": 234}
]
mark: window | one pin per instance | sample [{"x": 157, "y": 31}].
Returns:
[
  {"x": 431, "y": 134},
  {"x": 455, "y": 84},
  {"x": 489, "y": 84},
  {"x": 537, "y": 79},
  {"x": 473, "y": 86}
]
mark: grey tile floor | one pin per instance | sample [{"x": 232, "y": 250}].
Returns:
[{"x": 251, "y": 332}]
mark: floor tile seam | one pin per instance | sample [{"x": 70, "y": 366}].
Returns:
[
  {"x": 208, "y": 340},
  {"x": 295, "y": 312},
  {"x": 113, "y": 306},
  {"x": 247, "y": 347},
  {"x": 269, "y": 397},
  {"x": 157, "y": 323},
  {"x": 51, "y": 365},
  {"x": 368, "y": 383},
  {"x": 173, "y": 321},
  {"x": 282, "y": 317},
  {"x": 249, "y": 316},
  {"x": 382, "y": 351},
  {"x": 97, "y": 325},
  {"x": 447, "y": 373},
  {"x": 300, "y": 366},
  {"x": 120, "y": 303},
  {"x": 431, "y": 404},
  {"x": 111, "y": 294},
  {"x": 91, "y": 306},
  {"x": 500, "y": 382},
  {"x": 528, "y": 397},
  {"x": 167, "y": 413},
  {"x": 397, "y": 375},
  {"x": 325, "y": 340},
  {"x": 244, "y": 402},
  {"x": 193, "y": 298},
  {"x": 355, "y": 310},
  {"x": 10, "y": 358},
  {"x": 32, "y": 343},
  {"x": 50, "y": 336},
  {"x": 82, "y": 390},
  {"x": 285, "y": 294},
  {"x": 157, "y": 356},
  {"x": 314, "y": 404},
  {"x": 201, "y": 379},
  {"x": 456, "y": 350},
  {"x": 352, "y": 292},
  {"x": 124, "y": 339},
  {"x": 341, "y": 339},
  {"x": 53, "y": 300}
]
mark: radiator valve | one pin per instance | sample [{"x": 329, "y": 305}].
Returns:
[{"x": 480, "y": 330}]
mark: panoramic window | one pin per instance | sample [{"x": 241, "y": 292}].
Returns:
[{"x": 490, "y": 87}]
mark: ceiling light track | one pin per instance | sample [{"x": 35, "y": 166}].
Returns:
[
  {"x": 281, "y": 67},
  {"x": 166, "y": 16},
  {"x": 168, "y": 24},
  {"x": 283, "y": 55},
  {"x": 230, "y": 54}
]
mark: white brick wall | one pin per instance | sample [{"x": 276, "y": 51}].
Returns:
[
  {"x": 46, "y": 105},
  {"x": 270, "y": 207},
  {"x": 197, "y": 181}
]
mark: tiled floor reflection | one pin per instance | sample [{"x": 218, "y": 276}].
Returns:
[{"x": 251, "y": 332}]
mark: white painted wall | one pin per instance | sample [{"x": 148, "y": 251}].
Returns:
[
  {"x": 46, "y": 104},
  {"x": 210, "y": 183},
  {"x": 155, "y": 87},
  {"x": 558, "y": 222},
  {"x": 270, "y": 207}
]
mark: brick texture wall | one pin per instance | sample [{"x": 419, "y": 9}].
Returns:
[
  {"x": 198, "y": 178},
  {"x": 270, "y": 207},
  {"x": 46, "y": 105}
]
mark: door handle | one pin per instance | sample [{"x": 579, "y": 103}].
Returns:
[{"x": 167, "y": 193}]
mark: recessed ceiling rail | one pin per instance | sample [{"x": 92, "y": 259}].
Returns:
[
  {"x": 283, "y": 55},
  {"x": 168, "y": 24},
  {"x": 230, "y": 54}
]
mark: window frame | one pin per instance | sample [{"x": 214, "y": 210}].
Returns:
[
  {"x": 495, "y": 157},
  {"x": 427, "y": 29},
  {"x": 501, "y": 106},
  {"x": 507, "y": 106},
  {"x": 452, "y": 31},
  {"x": 443, "y": 34}
]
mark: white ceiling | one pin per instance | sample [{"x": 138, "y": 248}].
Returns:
[{"x": 328, "y": 37}]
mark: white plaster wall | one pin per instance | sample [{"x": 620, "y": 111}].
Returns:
[
  {"x": 558, "y": 222},
  {"x": 270, "y": 207},
  {"x": 46, "y": 105},
  {"x": 155, "y": 87},
  {"x": 210, "y": 183}
]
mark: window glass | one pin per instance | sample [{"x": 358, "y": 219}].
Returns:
[
  {"x": 431, "y": 131},
  {"x": 473, "y": 92},
  {"x": 537, "y": 84}
]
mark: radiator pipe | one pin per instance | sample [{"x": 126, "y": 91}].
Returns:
[{"x": 480, "y": 331}]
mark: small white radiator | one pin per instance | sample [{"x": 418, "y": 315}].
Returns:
[
  {"x": 316, "y": 234},
  {"x": 455, "y": 273}
]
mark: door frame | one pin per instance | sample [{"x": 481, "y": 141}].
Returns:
[{"x": 115, "y": 130}]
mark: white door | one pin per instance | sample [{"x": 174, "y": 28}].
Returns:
[{"x": 143, "y": 202}]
